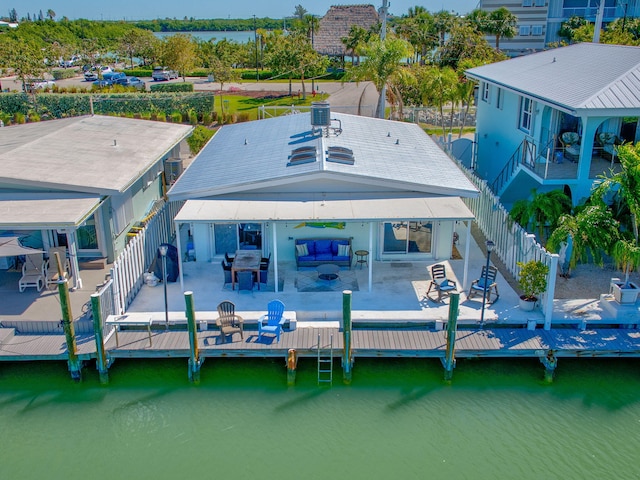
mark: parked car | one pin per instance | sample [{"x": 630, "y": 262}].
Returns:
[
  {"x": 90, "y": 76},
  {"x": 162, "y": 73},
  {"x": 102, "y": 83},
  {"x": 104, "y": 69},
  {"x": 113, "y": 77},
  {"x": 39, "y": 84},
  {"x": 131, "y": 82}
]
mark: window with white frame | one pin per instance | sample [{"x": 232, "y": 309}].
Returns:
[
  {"x": 486, "y": 90},
  {"x": 536, "y": 30},
  {"x": 526, "y": 112},
  {"x": 121, "y": 211},
  {"x": 525, "y": 30},
  {"x": 499, "y": 98}
]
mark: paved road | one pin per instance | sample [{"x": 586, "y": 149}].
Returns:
[{"x": 356, "y": 98}]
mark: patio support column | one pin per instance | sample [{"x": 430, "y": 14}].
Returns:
[
  {"x": 180, "y": 266},
  {"x": 370, "y": 259},
  {"x": 73, "y": 256},
  {"x": 449, "y": 361},
  {"x": 194, "y": 359},
  {"x": 467, "y": 249},
  {"x": 347, "y": 361},
  {"x": 275, "y": 256},
  {"x": 547, "y": 308},
  {"x": 101, "y": 356},
  {"x": 74, "y": 363}
]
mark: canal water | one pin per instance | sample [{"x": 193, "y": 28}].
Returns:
[{"x": 397, "y": 420}]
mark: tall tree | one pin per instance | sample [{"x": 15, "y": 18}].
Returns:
[
  {"x": 420, "y": 31},
  {"x": 357, "y": 38},
  {"x": 299, "y": 12},
  {"x": 13, "y": 15},
  {"x": 438, "y": 87},
  {"x": 541, "y": 212},
  {"x": 179, "y": 53},
  {"x": 51, "y": 15},
  {"x": 293, "y": 56},
  {"x": 443, "y": 22},
  {"x": 26, "y": 59},
  {"x": 219, "y": 59}
]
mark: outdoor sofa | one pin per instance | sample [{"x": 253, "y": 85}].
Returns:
[{"x": 311, "y": 252}]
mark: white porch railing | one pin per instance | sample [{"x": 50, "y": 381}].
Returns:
[{"x": 128, "y": 269}]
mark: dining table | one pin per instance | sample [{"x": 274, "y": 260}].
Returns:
[{"x": 245, "y": 260}]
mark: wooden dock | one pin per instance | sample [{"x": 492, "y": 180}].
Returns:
[{"x": 366, "y": 342}]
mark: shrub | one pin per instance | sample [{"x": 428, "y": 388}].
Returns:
[
  {"x": 19, "y": 118},
  {"x": 193, "y": 117},
  {"x": 34, "y": 117},
  {"x": 172, "y": 87},
  {"x": 206, "y": 119},
  {"x": 242, "y": 117},
  {"x": 64, "y": 73},
  {"x": 176, "y": 117},
  {"x": 161, "y": 117},
  {"x": 199, "y": 138}
]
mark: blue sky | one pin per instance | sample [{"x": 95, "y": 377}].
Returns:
[{"x": 149, "y": 9}]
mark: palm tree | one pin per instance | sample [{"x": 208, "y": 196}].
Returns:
[
  {"x": 382, "y": 66},
  {"x": 501, "y": 23},
  {"x": 542, "y": 211},
  {"x": 357, "y": 37},
  {"x": 625, "y": 185},
  {"x": 443, "y": 22}
]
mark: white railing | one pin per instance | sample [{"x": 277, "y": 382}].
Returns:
[
  {"x": 128, "y": 269},
  {"x": 513, "y": 243}
]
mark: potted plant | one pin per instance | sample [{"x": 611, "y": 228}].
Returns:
[
  {"x": 532, "y": 281},
  {"x": 626, "y": 254}
]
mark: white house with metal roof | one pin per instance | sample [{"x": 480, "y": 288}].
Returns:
[
  {"x": 82, "y": 182},
  {"x": 263, "y": 184},
  {"x": 552, "y": 120}
]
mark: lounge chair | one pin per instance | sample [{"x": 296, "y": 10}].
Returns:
[
  {"x": 274, "y": 320},
  {"x": 571, "y": 145},
  {"x": 34, "y": 271},
  {"x": 228, "y": 322},
  {"x": 478, "y": 286},
  {"x": 52, "y": 267},
  {"x": 440, "y": 283}
]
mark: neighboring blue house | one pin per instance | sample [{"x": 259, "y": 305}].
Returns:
[
  {"x": 551, "y": 120},
  {"x": 267, "y": 183},
  {"x": 82, "y": 182}
]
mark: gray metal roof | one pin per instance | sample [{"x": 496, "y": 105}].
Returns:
[
  {"x": 435, "y": 208},
  {"x": 584, "y": 76},
  {"x": 390, "y": 159},
  {"x": 90, "y": 154}
]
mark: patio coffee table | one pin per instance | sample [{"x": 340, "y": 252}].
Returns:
[{"x": 328, "y": 271}]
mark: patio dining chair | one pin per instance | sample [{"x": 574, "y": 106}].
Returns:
[
  {"x": 274, "y": 320},
  {"x": 440, "y": 283},
  {"x": 228, "y": 322},
  {"x": 226, "y": 269},
  {"x": 34, "y": 271},
  {"x": 478, "y": 286},
  {"x": 245, "y": 280}
]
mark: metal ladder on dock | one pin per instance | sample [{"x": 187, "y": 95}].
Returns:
[{"x": 325, "y": 362}]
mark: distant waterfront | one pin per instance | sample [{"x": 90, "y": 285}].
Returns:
[{"x": 238, "y": 37}]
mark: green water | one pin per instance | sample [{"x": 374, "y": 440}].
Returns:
[{"x": 397, "y": 420}]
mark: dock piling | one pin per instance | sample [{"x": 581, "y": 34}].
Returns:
[
  {"x": 550, "y": 363},
  {"x": 449, "y": 361},
  {"x": 101, "y": 356},
  {"x": 347, "y": 360},
  {"x": 74, "y": 363},
  {"x": 292, "y": 364},
  {"x": 194, "y": 359}
]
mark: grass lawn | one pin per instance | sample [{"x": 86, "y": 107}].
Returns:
[{"x": 241, "y": 104}]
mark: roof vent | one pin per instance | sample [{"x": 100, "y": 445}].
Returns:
[
  {"x": 340, "y": 155},
  {"x": 302, "y": 155},
  {"x": 320, "y": 114}
]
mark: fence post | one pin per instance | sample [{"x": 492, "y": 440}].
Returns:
[
  {"x": 75, "y": 365},
  {"x": 346, "y": 332},
  {"x": 449, "y": 361}
]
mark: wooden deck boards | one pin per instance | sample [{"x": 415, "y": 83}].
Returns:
[{"x": 134, "y": 343}]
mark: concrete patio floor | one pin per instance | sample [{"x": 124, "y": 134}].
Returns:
[{"x": 398, "y": 294}]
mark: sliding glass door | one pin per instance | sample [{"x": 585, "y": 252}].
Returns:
[{"x": 407, "y": 237}]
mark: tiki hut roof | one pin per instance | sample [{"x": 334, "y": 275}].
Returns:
[{"x": 336, "y": 24}]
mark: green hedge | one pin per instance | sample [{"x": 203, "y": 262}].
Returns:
[
  {"x": 268, "y": 74},
  {"x": 172, "y": 87},
  {"x": 137, "y": 72},
  {"x": 64, "y": 73},
  {"x": 62, "y": 105}
]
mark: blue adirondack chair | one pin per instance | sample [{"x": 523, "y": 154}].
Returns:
[{"x": 272, "y": 322}]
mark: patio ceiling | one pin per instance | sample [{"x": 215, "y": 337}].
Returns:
[{"x": 434, "y": 208}]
